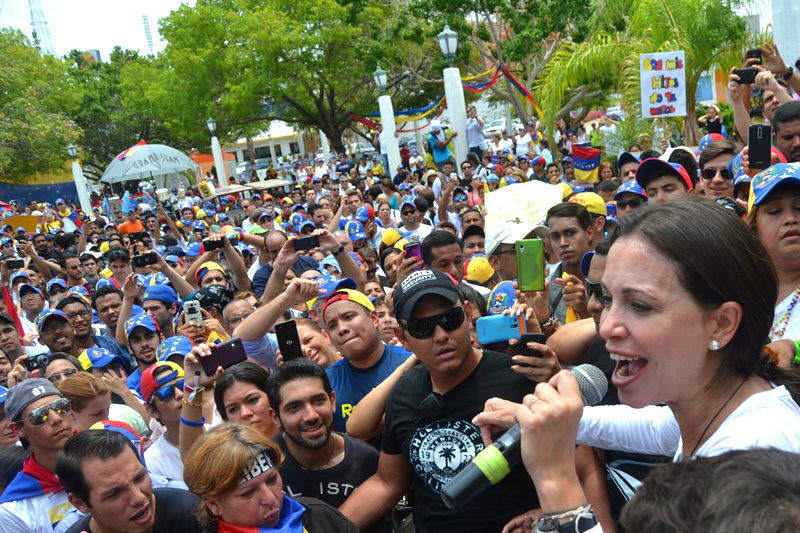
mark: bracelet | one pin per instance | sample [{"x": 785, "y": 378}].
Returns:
[
  {"x": 187, "y": 388},
  {"x": 193, "y": 404},
  {"x": 194, "y": 424},
  {"x": 579, "y": 519},
  {"x": 549, "y": 323},
  {"x": 338, "y": 251},
  {"x": 796, "y": 360}
]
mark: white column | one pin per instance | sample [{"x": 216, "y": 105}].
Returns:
[
  {"x": 389, "y": 129},
  {"x": 456, "y": 112},
  {"x": 326, "y": 149},
  {"x": 785, "y": 21},
  {"x": 83, "y": 191},
  {"x": 219, "y": 162}
]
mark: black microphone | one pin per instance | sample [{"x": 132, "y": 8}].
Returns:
[{"x": 494, "y": 462}]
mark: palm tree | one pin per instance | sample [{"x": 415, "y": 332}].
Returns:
[
  {"x": 447, "y": 453},
  {"x": 707, "y": 30}
]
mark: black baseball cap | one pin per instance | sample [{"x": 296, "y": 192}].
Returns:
[{"x": 422, "y": 283}]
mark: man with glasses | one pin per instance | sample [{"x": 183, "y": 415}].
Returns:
[
  {"x": 412, "y": 218},
  {"x": 428, "y": 433},
  {"x": 35, "y": 500},
  {"x": 31, "y": 300},
  {"x": 630, "y": 197},
  {"x": 716, "y": 179},
  {"x": 162, "y": 390},
  {"x": 499, "y": 245},
  {"x": 78, "y": 311}
]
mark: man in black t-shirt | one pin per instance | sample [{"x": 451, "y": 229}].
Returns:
[
  {"x": 104, "y": 478},
  {"x": 428, "y": 433},
  {"x": 319, "y": 462}
]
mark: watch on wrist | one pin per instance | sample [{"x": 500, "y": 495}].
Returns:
[
  {"x": 338, "y": 251},
  {"x": 788, "y": 74}
]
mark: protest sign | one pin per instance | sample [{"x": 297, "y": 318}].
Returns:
[{"x": 662, "y": 77}]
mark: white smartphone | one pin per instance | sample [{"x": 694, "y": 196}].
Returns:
[{"x": 192, "y": 314}]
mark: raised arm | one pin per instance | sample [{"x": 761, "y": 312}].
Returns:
[
  {"x": 261, "y": 321},
  {"x": 346, "y": 262},
  {"x": 180, "y": 285},
  {"x": 376, "y": 497},
  {"x": 129, "y": 292}
]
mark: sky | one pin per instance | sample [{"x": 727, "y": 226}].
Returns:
[{"x": 93, "y": 24}]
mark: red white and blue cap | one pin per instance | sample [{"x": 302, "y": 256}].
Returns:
[
  {"x": 140, "y": 321},
  {"x": 102, "y": 282},
  {"x": 630, "y": 187},
  {"x": 364, "y": 213},
  {"x": 150, "y": 384},
  {"x": 654, "y": 167},
  {"x": 708, "y": 139}
]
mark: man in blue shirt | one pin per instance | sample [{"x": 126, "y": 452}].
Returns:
[
  {"x": 143, "y": 340},
  {"x": 437, "y": 143},
  {"x": 351, "y": 323}
]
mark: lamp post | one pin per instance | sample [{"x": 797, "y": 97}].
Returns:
[
  {"x": 80, "y": 181},
  {"x": 387, "y": 121},
  {"x": 216, "y": 150},
  {"x": 454, "y": 93}
]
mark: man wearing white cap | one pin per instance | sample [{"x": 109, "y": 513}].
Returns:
[
  {"x": 500, "y": 239},
  {"x": 437, "y": 143}
]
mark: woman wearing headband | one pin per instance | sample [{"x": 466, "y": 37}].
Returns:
[{"x": 234, "y": 470}]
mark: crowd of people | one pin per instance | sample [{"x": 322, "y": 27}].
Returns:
[{"x": 148, "y": 382}]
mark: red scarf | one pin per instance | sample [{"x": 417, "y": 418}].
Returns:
[{"x": 47, "y": 479}]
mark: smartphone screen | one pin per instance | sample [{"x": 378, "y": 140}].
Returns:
[
  {"x": 288, "y": 340},
  {"x": 306, "y": 243},
  {"x": 759, "y": 145},
  {"x": 530, "y": 264},
  {"x": 522, "y": 346},
  {"x": 224, "y": 354}
]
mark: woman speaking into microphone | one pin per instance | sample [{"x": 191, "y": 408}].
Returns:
[{"x": 689, "y": 294}]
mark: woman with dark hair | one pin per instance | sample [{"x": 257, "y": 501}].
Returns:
[
  {"x": 391, "y": 192},
  {"x": 687, "y": 311}
]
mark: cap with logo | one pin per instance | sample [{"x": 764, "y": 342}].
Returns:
[
  {"x": 630, "y": 187},
  {"x": 48, "y": 314},
  {"x": 765, "y": 181},
  {"x": 501, "y": 298},
  {"x": 418, "y": 284},
  {"x": 150, "y": 384},
  {"x": 25, "y": 393},
  {"x": 355, "y": 230},
  {"x": 592, "y": 201},
  {"x": 176, "y": 345},
  {"x": 652, "y": 168},
  {"x": 161, "y": 293},
  {"x": 98, "y": 358},
  {"x": 364, "y": 213},
  {"x": 140, "y": 321}
]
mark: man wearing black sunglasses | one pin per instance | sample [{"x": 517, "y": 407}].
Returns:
[
  {"x": 162, "y": 389},
  {"x": 428, "y": 433},
  {"x": 42, "y": 418},
  {"x": 715, "y": 176}
]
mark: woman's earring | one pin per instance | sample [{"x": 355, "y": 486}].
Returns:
[{"x": 714, "y": 345}]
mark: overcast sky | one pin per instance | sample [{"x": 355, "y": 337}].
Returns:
[{"x": 93, "y": 24}]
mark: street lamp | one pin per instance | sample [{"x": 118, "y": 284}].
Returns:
[
  {"x": 80, "y": 181},
  {"x": 448, "y": 42},
  {"x": 391, "y": 160},
  {"x": 380, "y": 78},
  {"x": 454, "y": 94},
  {"x": 216, "y": 150}
]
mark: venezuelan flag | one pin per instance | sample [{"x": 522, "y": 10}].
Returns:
[
  {"x": 44, "y": 187},
  {"x": 586, "y": 162}
]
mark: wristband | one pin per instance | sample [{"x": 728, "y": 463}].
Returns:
[
  {"x": 193, "y": 404},
  {"x": 796, "y": 360},
  {"x": 193, "y": 424},
  {"x": 338, "y": 251},
  {"x": 786, "y": 76}
]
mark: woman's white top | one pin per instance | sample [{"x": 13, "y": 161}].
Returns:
[{"x": 769, "y": 419}]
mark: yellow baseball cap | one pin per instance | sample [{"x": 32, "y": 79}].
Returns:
[
  {"x": 592, "y": 201},
  {"x": 200, "y": 214},
  {"x": 478, "y": 269},
  {"x": 104, "y": 247},
  {"x": 390, "y": 237},
  {"x": 401, "y": 244},
  {"x": 566, "y": 190},
  {"x": 350, "y": 295}
]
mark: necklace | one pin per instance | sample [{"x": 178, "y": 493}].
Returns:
[
  {"x": 703, "y": 434},
  {"x": 780, "y": 323},
  {"x": 330, "y": 455}
]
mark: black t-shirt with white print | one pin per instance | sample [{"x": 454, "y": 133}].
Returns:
[{"x": 436, "y": 435}]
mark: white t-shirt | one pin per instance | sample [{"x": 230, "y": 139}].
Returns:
[
  {"x": 792, "y": 330},
  {"x": 765, "y": 419},
  {"x": 164, "y": 459},
  {"x": 505, "y": 145},
  {"x": 475, "y": 134},
  {"x": 523, "y": 144},
  {"x": 421, "y": 232}
]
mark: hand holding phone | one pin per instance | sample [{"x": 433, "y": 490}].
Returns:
[
  {"x": 288, "y": 340},
  {"x": 306, "y": 243},
  {"x": 192, "y": 313},
  {"x": 746, "y": 75},
  {"x": 759, "y": 146},
  {"x": 223, "y": 355},
  {"x": 530, "y": 264}
]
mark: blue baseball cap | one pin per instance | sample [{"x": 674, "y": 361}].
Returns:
[
  {"x": 177, "y": 345},
  {"x": 739, "y": 182},
  {"x": 304, "y": 224},
  {"x": 298, "y": 207},
  {"x": 355, "y": 230},
  {"x": 331, "y": 285},
  {"x": 630, "y": 186},
  {"x": 140, "y": 321},
  {"x": 736, "y": 167},
  {"x": 364, "y": 213},
  {"x": 501, "y": 298},
  {"x": 5, "y": 240},
  {"x": 98, "y": 358},
  {"x": 158, "y": 278},
  {"x": 42, "y": 318},
  {"x": 625, "y": 158},
  {"x": 329, "y": 260},
  {"x": 27, "y": 288},
  {"x": 193, "y": 249},
  {"x": 19, "y": 274},
  {"x": 3, "y": 394},
  {"x": 407, "y": 200},
  {"x": 586, "y": 262},
  {"x": 161, "y": 293},
  {"x": 199, "y": 225},
  {"x": 56, "y": 281},
  {"x": 492, "y": 178},
  {"x": 172, "y": 259},
  {"x": 654, "y": 167},
  {"x": 765, "y": 181},
  {"x": 102, "y": 282}
]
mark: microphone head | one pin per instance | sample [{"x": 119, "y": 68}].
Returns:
[{"x": 592, "y": 383}]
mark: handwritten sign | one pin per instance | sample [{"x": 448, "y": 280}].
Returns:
[
  {"x": 663, "y": 83},
  {"x": 525, "y": 203}
]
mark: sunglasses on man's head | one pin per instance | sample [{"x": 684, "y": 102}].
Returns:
[
  {"x": 38, "y": 416},
  {"x": 423, "y": 328},
  {"x": 167, "y": 392},
  {"x": 633, "y": 203}
]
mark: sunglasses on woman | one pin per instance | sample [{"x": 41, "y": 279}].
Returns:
[
  {"x": 423, "y": 328},
  {"x": 38, "y": 416},
  {"x": 167, "y": 392}
]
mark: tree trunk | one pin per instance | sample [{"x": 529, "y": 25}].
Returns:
[{"x": 691, "y": 128}]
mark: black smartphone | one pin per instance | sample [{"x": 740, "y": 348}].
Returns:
[
  {"x": 759, "y": 145},
  {"x": 209, "y": 245},
  {"x": 288, "y": 340},
  {"x": 15, "y": 264},
  {"x": 144, "y": 259},
  {"x": 746, "y": 75},
  {"x": 753, "y": 52},
  {"x": 224, "y": 354},
  {"x": 525, "y": 338},
  {"x": 306, "y": 243}
]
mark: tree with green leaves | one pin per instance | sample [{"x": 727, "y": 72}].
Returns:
[
  {"x": 709, "y": 31},
  {"x": 35, "y": 97}
]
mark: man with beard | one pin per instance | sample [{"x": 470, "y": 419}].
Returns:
[
  {"x": 319, "y": 462},
  {"x": 143, "y": 340}
]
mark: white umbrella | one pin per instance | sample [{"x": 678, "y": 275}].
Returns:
[{"x": 147, "y": 160}]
